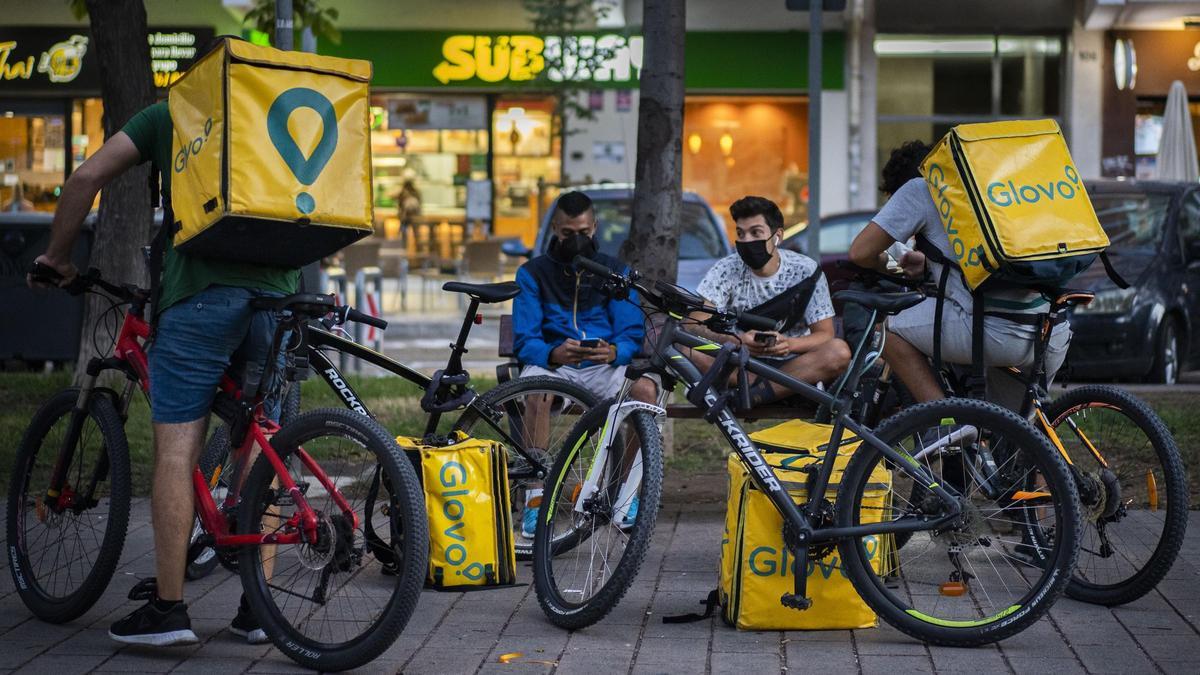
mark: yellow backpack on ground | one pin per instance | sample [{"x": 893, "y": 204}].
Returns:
[
  {"x": 1013, "y": 204},
  {"x": 756, "y": 567},
  {"x": 271, "y": 155},
  {"x": 470, "y": 523}
]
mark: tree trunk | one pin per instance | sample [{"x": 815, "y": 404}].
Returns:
[
  {"x": 653, "y": 244},
  {"x": 126, "y": 83}
]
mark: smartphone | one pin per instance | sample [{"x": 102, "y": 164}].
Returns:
[
  {"x": 590, "y": 343},
  {"x": 765, "y": 339}
]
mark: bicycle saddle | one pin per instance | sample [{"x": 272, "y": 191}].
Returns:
[
  {"x": 312, "y": 304},
  {"x": 1071, "y": 298},
  {"x": 888, "y": 303},
  {"x": 485, "y": 292}
]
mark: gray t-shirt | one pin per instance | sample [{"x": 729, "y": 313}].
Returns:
[
  {"x": 911, "y": 212},
  {"x": 732, "y": 285}
]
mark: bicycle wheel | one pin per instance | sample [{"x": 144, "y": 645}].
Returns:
[
  {"x": 537, "y": 412},
  {"x": 971, "y": 581},
  {"x": 62, "y": 556},
  {"x": 592, "y": 536},
  {"x": 1132, "y": 487},
  {"x": 218, "y": 453},
  {"x": 325, "y": 603}
]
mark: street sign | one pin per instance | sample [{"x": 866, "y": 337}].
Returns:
[{"x": 827, "y": 5}]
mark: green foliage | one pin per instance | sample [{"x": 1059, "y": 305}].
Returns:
[
  {"x": 78, "y": 9},
  {"x": 307, "y": 14},
  {"x": 562, "y": 19}
]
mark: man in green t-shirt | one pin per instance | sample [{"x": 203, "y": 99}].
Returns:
[{"x": 205, "y": 326}]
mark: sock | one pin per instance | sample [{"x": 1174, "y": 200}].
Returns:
[
  {"x": 533, "y": 497},
  {"x": 164, "y": 606}
]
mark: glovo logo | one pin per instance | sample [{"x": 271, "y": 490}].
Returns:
[
  {"x": 454, "y": 475},
  {"x": 63, "y": 61},
  {"x": 305, "y": 169},
  {"x": 767, "y": 561},
  {"x": 192, "y": 147},
  {"x": 1005, "y": 193},
  {"x": 936, "y": 177}
]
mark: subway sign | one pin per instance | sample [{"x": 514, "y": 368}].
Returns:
[
  {"x": 62, "y": 61},
  {"x": 519, "y": 58}
]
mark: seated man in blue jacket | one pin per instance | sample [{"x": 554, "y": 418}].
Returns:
[{"x": 564, "y": 326}]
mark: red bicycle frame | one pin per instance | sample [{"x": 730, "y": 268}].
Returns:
[{"x": 300, "y": 527}]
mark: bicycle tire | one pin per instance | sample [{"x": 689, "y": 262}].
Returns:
[
  {"x": 1174, "y": 525},
  {"x": 410, "y": 542},
  {"x": 62, "y": 606},
  {"x": 1052, "y": 576},
  {"x": 561, "y": 611},
  {"x": 471, "y": 423}
]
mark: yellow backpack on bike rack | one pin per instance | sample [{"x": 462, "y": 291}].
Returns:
[
  {"x": 470, "y": 521},
  {"x": 756, "y": 567},
  {"x": 271, "y": 155}
]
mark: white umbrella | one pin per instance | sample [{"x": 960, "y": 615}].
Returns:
[{"x": 1177, "y": 149}]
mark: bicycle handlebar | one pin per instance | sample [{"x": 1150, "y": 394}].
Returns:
[
  {"x": 82, "y": 283},
  {"x": 665, "y": 295},
  {"x": 355, "y": 315}
]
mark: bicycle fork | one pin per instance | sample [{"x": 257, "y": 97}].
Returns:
[
  {"x": 60, "y": 496},
  {"x": 598, "y": 471}
]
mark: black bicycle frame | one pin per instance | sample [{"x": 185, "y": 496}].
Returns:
[
  {"x": 317, "y": 339},
  {"x": 667, "y": 358}
]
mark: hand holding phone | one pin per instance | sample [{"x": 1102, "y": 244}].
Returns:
[
  {"x": 590, "y": 343},
  {"x": 765, "y": 339}
]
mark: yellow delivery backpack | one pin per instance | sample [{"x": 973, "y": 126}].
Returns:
[
  {"x": 271, "y": 155},
  {"x": 470, "y": 522},
  {"x": 1013, "y": 204},
  {"x": 756, "y": 567}
]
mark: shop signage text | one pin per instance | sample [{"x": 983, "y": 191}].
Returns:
[
  {"x": 520, "y": 58},
  {"x": 58, "y": 60}
]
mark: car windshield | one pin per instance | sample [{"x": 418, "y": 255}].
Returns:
[
  {"x": 1132, "y": 221},
  {"x": 837, "y": 236},
  {"x": 699, "y": 236}
]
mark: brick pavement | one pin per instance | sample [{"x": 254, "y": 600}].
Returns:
[{"x": 467, "y": 632}]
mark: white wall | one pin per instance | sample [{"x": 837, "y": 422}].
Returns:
[
  {"x": 609, "y": 126},
  {"x": 1085, "y": 89},
  {"x": 835, "y": 162}
]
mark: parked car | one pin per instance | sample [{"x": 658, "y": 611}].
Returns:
[
  {"x": 702, "y": 238},
  {"x": 837, "y": 233},
  {"x": 1150, "y": 330}
]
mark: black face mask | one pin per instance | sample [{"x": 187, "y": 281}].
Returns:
[
  {"x": 754, "y": 253},
  {"x": 565, "y": 250}
]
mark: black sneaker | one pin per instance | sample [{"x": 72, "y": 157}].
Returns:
[
  {"x": 152, "y": 624},
  {"x": 245, "y": 625}
]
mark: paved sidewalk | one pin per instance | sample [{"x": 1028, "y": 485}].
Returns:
[{"x": 465, "y": 633}]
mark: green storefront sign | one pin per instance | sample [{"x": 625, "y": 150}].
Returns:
[{"x": 715, "y": 61}]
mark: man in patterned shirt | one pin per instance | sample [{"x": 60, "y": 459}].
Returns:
[{"x": 762, "y": 273}]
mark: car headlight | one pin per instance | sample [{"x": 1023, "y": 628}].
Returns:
[{"x": 1113, "y": 301}]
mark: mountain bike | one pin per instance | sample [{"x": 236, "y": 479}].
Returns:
[
  {"x": 962, "y": 580},
  {"x": 528, "y": 415},
  {"x": 293, "y": 524},
  {"x": 1126, "y": 464}
]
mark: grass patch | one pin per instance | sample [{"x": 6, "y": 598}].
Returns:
[{"x": 394, "y": 401}]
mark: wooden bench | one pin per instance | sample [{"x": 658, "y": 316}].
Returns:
[{"x": 798, "y": 409}]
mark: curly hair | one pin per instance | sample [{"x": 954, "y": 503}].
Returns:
[
  {"x": 757, "y": 206},
  {"x": 903, "y": 166}
]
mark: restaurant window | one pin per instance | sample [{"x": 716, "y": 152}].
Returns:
[
  {"x": 527, "y": 162},
  {"x": 424, "y": 150},
  {"x": 928, "y": 84},
  {"x": 33, "y": 155}
]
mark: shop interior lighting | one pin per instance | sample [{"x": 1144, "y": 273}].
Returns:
[
  {"x": 726, "y": 143},
  {"x": 694, "y": 141},
  {"x": 965, "y": 46}
]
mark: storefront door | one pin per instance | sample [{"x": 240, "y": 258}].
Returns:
[{"x": 33, "y": 154}]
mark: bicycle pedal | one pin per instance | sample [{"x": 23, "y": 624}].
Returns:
[{"x": 793, "y": 601}]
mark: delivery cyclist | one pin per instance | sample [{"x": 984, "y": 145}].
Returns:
[
  {"x": 910, "y": 212},
  {"x": 205, "y": 323}
]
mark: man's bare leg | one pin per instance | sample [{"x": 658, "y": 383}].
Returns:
[
  {"x": 822, "y": 364},
  {"x": 177, "y": 449},
  {"x": 912, "y": 367}
]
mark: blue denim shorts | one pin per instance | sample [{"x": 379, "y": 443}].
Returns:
[{"x": 200, "y": 338}]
